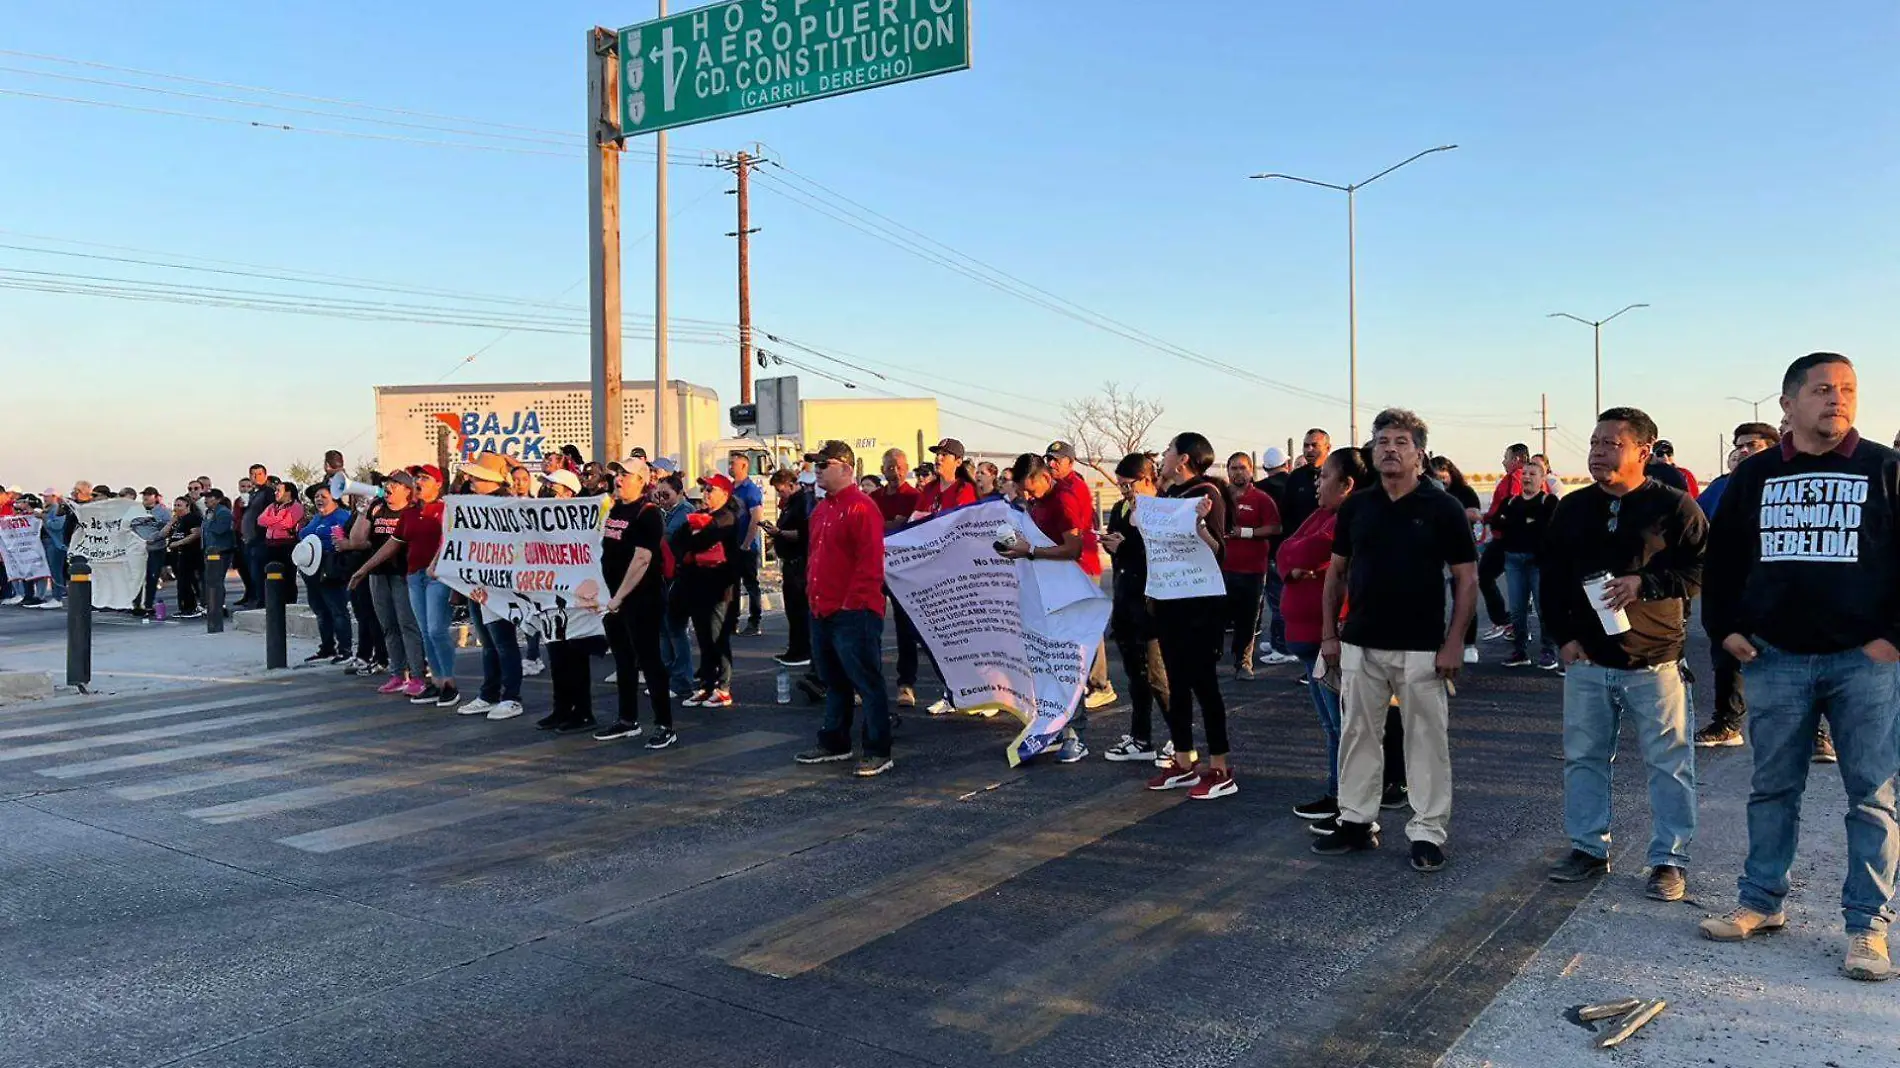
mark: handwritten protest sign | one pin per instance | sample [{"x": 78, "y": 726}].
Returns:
[
  {"x": 532, "y": 561},
  {"x": 1012, "y": 635},
  {"x": 103, "y": 536},
  {"x": 20, "y": 548},
  {"x": 1180, "y": 565}
]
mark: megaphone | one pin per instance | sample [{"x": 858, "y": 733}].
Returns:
[{"x": 341, "y": 487}]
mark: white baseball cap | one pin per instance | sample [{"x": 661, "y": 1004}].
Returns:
[{"x": 1273, "y": 457}]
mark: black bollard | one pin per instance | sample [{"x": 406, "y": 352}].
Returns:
[
  {"x": 276, "y": 653},
  {"x": 214, "y": 593},
  {"x": 79, "y": 625}
]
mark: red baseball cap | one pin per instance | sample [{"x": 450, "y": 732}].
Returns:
[
  {"x": 717, "y": 482},
  {"x": 430, "y": 470}
]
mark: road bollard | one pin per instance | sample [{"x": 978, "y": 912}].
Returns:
[
  {"x": 276, "y": 651},
  {"x": 79, "y": 625},
  {"x": 214, "y": 593}
]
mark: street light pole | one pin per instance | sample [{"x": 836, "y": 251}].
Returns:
[
  {"x": 1352, "y": 274},
  {"x": 1755, "y": 405},
  {"x": 1596, "y": 327}
]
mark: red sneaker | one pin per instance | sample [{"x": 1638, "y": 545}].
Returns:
[
  {"x": 1215, "y": 782},
  {"x": 1175, "y": 778}
]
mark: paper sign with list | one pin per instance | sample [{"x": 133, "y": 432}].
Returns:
[{"x": 1180, "y": 565}]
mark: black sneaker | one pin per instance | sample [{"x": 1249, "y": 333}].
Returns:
[
  {"x": 1347, "y": 838},
  {"x": 617, "y": 730},
  {"x": 869, "y": 765},
  {"x": 576, "y": 726},
  {"x": 1824, "y": 749},
  {"x": 448, "y": 697},
  {"x": 792, "y": 660},
  {"x": 1667, "y": 883},
  {"x": 1518, "y": 658},
  {"x": 340, "y": 658},
  {"x": 821, "y": 755},
  {"x": 1323, "y": 808},
  {"x": 429, "y": 695},
  {"x": 551, "y": 721},
  {"x": 1394, "y": 797},
  {"x": 752, "y": 630},
  {"x": 661, "y": 738},
  {"x": 1322, "y": 828},
  {"x": 1718, "y": 736},
  {"x": 1427, "y": 856},
  {"x": 1579, "y": 866},
  {"x": 318, "y": 658}
]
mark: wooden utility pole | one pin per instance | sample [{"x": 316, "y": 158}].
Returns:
[
  {"x": 1543, "y": 426},
  {"x": 741, "y": 166},
  {"x": 603, "y": 240}
]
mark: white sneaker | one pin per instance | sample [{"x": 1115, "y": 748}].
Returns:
[
  {"x": 505, "y": 710},
  {"x": 350, "y": 666},
  {"x": 1278, "y": 659},
  {"x": 1471, "y": 654},
  {"x": 941, "y": 707},
  {"x": 1129, "y": 749},
  {"x": 14, "y": 600},
  {"x": 532, "y": 667},
  {"x": 476, "y": 707},
  {"x": 613, "y": 676}
]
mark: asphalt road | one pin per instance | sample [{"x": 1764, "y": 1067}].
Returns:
[{"x": 297, "y": 872}]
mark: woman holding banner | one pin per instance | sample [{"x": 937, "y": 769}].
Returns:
[{"x": 1190, "y": 630}]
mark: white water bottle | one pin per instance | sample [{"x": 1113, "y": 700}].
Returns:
[{"x": 784, "y": 686}]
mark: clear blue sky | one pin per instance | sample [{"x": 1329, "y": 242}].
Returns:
[{"x": 1730, "y": 163}]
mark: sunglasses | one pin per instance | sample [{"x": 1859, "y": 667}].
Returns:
[{"x": 1616, "y": 507}]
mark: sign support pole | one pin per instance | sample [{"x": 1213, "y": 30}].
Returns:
[
  {"x": 662, "y": 396},
  {"x": 603, "y": 239}
]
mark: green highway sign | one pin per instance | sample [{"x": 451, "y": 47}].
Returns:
[{"x": 749, "y": 55}]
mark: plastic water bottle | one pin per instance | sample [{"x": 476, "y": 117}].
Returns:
[
  {"x": 158, "y": 610},
  {"x": 784, "y": 686}
]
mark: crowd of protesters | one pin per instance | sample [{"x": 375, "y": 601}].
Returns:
[{"x": 1366, "y": 566}]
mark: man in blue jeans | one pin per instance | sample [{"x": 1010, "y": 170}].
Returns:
[
  {"x": 1804, "y": 590},
  {"x": 845, "y": 584},
  {"x": 1649, "y": 539}
]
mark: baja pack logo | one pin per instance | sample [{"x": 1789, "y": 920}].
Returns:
[{"x": 518, "y": 436}]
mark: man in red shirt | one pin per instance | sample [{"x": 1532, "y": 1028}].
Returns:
[
  {"x": 1075, "y": 503},
  {"x": 897, "y": 501},
  {"x": 845, "y": 584},
  {"x": 1254, "y": 524}
]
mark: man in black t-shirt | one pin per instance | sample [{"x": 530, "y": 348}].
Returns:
[
  {"x": 1392, "y": 546},
  {"x": 633, "y": 561},
  {"x": 790, "y": 542}
]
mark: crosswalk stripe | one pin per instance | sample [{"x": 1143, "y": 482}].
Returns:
[
  {"x": 152, "y": 734},
  {"x": 846, "y": 923},
  {"x": 232, "y": 745},
  {"x": 398, "y": 779},
  {"x": 704, "y": 866},
  {"x": 66, "y": 726},
  {"x": 1029, "y": 995},
  {"x": 549, "y": 788},
  {"x": 271, "y": 769},
  {"x": 54, "y": 706}
]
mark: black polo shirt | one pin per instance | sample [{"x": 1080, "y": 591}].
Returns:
[{"x": 1398, "y": 552}]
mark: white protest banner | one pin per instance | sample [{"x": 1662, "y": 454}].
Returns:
[
  {"x": 533, "y": 561},
  {"x": 1180, "y": 564},
  {"x": 1013, "y": 635},
  {"x": 20, "y": 548},
  {"x": 103, "y": 537}
]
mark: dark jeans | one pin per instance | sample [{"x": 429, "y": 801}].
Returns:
[
  {"x": 331, "y": 604},
  {"x": 748, "y": 563},
  {"x": 1276, "y": 623},
  {"x": 154, "y": 564},
  {"x": 1520, "y": 573},
  {"x": 907, "y": 643},
  {"x": 1326, "y": 706},
  {"x": 1243, "y": 613},
  {"x": 1141, "y": 662},
  {"x": 570, "y": 667},
  {"x": 797, "y": 609},
  {"x": 369, "y": 629},
  {"x": 634, "y": 635},
  {"x": 501, "y": 656},
  {"x": 1731, "y": 701},
  {"x": 715, "y": 607},
  {"x": 188, "y": 568},
  {"x": 848, "y": 650},
  {"x": 1490, "y": 570},
  {"x": 1190, "y": 636},
  {"x": 251, "y": 573}
]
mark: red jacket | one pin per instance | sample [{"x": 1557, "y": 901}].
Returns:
[{"x": 846, "y": 569}]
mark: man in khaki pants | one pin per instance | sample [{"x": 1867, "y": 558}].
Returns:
[{"x": 1391, "y": 546}]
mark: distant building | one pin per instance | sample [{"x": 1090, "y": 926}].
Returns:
[{"x": 529, "y": 420}]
